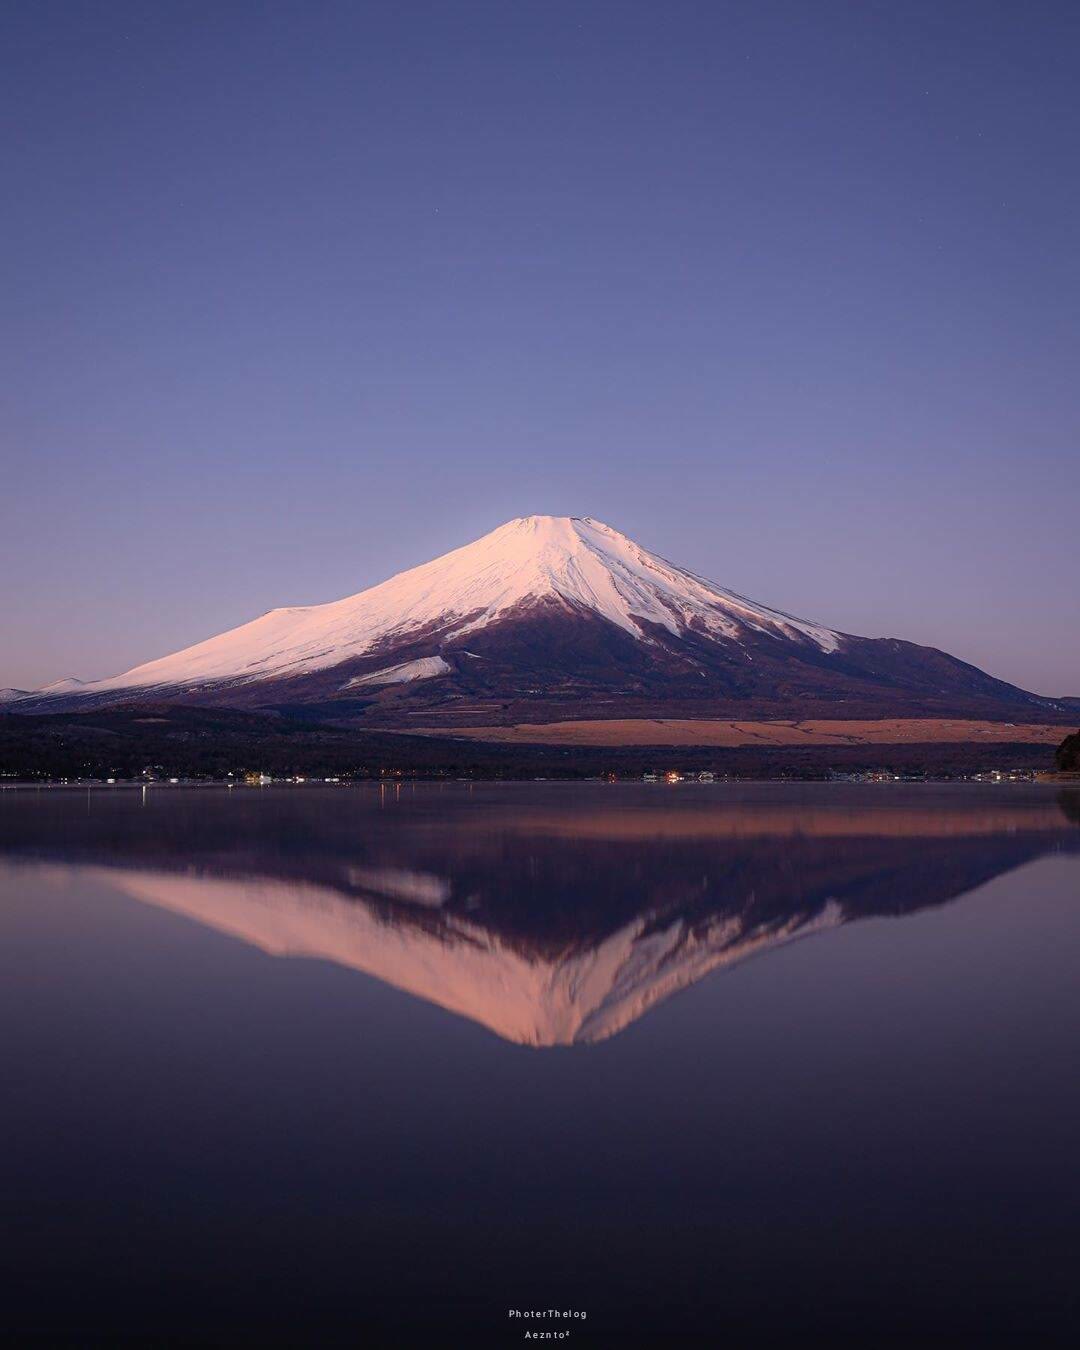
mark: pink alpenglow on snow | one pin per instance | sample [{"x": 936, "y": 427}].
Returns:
[{"x": 563, "y": 614}]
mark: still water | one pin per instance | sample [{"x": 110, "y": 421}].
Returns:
[{"x": 711, "y": 1064}]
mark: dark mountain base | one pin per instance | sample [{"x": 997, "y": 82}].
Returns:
[
  {"x": 551, "y": 662},
  {"x": 189, "y": 742}
]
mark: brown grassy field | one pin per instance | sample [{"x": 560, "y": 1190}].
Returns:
[{"x": 684, "y": 732}]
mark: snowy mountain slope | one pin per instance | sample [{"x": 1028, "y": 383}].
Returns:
[
  {"x": 579, "y": 561},
  {"x": 564, "y": 612}
]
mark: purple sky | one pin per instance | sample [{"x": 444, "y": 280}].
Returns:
[{"x": 298, "y": 295}]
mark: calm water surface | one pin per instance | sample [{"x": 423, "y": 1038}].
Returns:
[{"x": 716, "y": 1065}]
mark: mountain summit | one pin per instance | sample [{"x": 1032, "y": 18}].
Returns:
[{"x": 545, "y": 617}]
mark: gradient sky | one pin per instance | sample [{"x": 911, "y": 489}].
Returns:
[{"x": 297, "y": 295}]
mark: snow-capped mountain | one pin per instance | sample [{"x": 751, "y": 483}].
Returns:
[
  {"x": 556, "y": 611},
  {"x": 579, "y": 563}
]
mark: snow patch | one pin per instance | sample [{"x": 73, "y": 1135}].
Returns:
[{"x": 424, "y": 669}]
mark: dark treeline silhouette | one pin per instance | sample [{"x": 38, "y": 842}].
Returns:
[{"x": 213, "y": 742}]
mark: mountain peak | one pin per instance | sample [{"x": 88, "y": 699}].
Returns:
[{"x": 567, "y": 531}]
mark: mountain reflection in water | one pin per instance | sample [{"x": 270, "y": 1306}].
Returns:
[{"x": 551, "y": 914}]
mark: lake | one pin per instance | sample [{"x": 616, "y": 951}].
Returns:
[{"x": 711, "y": 1064}]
